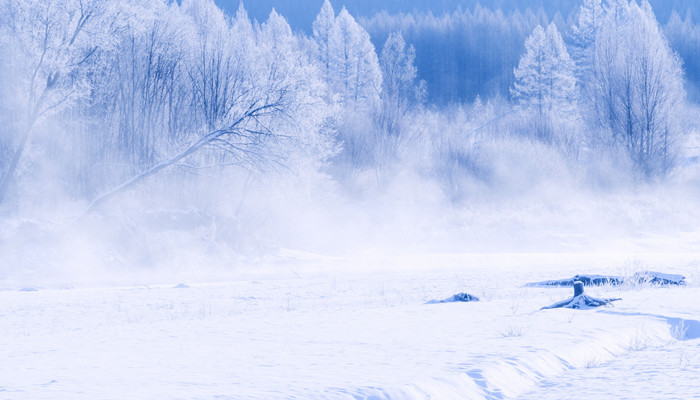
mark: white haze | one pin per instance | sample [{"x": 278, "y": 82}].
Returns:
[
  {"x": 515, "y": 194},
  {"x": 197, "y": 204},
  {"x": 203, "y": 229}
]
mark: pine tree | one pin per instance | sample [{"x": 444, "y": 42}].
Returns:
[
  {"x": 346, "y": 55},
  {"x": 356, "y": 66},
  {"x": 544, "y": 79},
  {"x": 400, "y": 91},
  {"x": 399, "y": 72},
  {"x": 323, "y": 30},
  {"x": 584, "y": 35},
  {"x": 400, "y": 94},
  {"x": 563, "y": 81}
]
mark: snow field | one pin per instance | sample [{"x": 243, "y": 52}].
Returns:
[{"x": 349, "y": 335}]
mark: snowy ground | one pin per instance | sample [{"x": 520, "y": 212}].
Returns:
[{"x": 298, "y": 328}]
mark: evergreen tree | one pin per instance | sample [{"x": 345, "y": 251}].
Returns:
[
  {"x": 323, "y": 31},
  {"x": 356, "y": 66},
  {"x": 584, "y": 35},
  {"x": 544, "y": 79},
  {"x": 399, "y": 89},
  {"x": 347, "y": 57}
]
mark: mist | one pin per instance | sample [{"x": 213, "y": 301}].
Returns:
[
  {"x": 349, "y": 199},
  {"x": 150, "y": 141}
]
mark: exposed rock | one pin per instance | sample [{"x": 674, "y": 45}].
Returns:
[
  {"x": 459, "y": 297},
  {"x": 587, "y": 280},
  {"x": 658, "y": 278},
  {"x": 642, "y": 277}
]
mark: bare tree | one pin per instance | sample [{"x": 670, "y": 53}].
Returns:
[
  {"x": 256, "y": 97},
  {"x": 53, "y": 41},
  {"x": 241, "y": 138},
  {"x": 637, "y": 87}
]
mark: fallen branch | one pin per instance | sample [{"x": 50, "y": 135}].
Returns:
[{"x": 218, "y": 136}]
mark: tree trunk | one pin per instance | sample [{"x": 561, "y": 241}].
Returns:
[
  {"x": 148, "y": 172},
  {"x": 9, "y": 174}
]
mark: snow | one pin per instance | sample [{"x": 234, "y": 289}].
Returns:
[{"x": 354, "y": 328}]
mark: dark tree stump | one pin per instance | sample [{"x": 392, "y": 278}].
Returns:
[{"x": 581, "y": 300}]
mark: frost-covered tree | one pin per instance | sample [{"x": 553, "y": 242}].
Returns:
[
  {"x": 218, "y": 75},
  {"x": 356, "y": 63},
  {"x": 349, "y": 58},
  {"x": 637, "y": 87},
  {"x": 465, "y": 52},
  {"x": 120, "y": 93},
  {"x": 684, "y": 37},
  {"x": 353, "y": 78},
  {"x": 257, "y": 98},
  {"x": 584, "y": 35},
  {"x": 400, "y": 95},
  {"x": 323, "y": 32},
  {"x": 51, "y": 44},
  {"x": 305, "y": 143},
  {"x": 400, "y": 91},
  {"x": 399, "y": 86},
  {"x": 544, "y": 79},
  {"x": 146, "y": 100}
]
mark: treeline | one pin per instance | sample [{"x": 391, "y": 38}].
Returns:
[
  {"x": 472, "y": 51},
  {"x": 683, "y": 32},
  {"x": 465, "y": 53},
  {"x": 300, "y": 14},
  {"x": 98, "y": 97}
]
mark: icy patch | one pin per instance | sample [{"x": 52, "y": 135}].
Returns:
[{"x": 684, "y": 329}]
